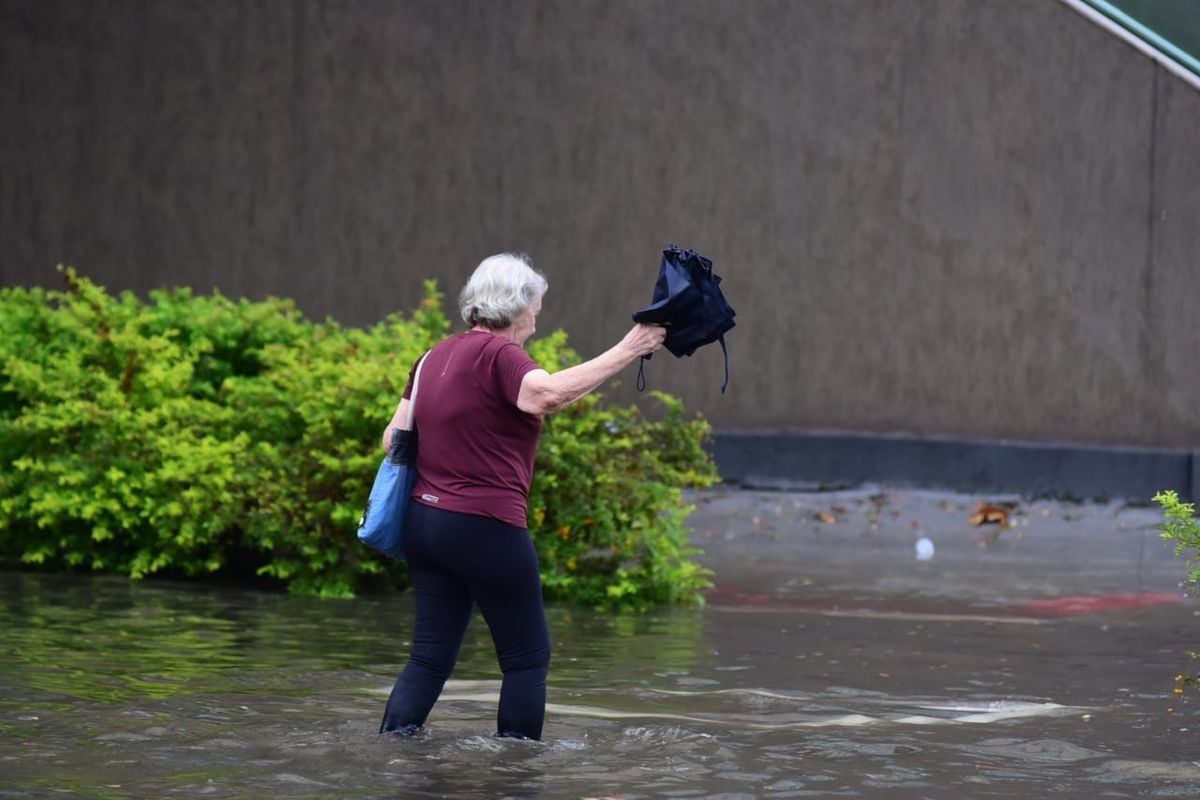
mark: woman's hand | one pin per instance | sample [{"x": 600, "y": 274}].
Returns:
[{"x": 642, "y": 339}]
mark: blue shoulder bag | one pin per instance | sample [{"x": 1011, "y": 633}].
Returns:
[{"x": 382, "y": 523}]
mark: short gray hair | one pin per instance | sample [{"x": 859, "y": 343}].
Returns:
[{"x": 500, "y": 290}]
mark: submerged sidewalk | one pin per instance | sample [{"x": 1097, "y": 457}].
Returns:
[{"x": 912, "y": 550}]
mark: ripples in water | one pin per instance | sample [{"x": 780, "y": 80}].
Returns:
[{"x": 111, "y": 690}]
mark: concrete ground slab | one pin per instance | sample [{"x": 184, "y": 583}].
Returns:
[{"x": 921, "y": 550}]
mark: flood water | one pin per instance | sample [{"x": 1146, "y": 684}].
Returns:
[{"x": 112, "y": 689}]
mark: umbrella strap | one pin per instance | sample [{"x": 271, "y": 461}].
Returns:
[
  {"x": 721, "y": 339},
  {"x": 641, "y": 378}
]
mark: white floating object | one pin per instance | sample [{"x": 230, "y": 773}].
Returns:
[{"x": 924, "y": 549}]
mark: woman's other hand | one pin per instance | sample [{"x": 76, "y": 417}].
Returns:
[{"x": 399, "y": 420}]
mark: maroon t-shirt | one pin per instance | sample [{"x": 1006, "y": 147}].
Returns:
[{"x": 475, "y": 447}]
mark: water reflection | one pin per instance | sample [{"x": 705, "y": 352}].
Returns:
[{"x": 117, "y": 689}]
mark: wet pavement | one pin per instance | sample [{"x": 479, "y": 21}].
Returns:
[
  {"x": 839, "y": 655},
  {"x": 896, "y": 550},
  {"x": 1076, "y": 614}
]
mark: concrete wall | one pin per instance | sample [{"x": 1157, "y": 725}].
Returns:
[{"x": 970, "y": 218}]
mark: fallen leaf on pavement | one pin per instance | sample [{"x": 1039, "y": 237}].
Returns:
[
  {"x": 826, "y": 517},
  {"x": 986, "y": 513}
]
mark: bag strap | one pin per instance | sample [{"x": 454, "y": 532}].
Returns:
[{"x": 412, "y": 399}]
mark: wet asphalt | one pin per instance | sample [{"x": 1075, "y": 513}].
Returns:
[
  {"x": 894, "y": 550},
  {"x": 1076, "y": 614}
]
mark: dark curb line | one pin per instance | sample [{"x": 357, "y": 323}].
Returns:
[{"x": 788, "y": 460}]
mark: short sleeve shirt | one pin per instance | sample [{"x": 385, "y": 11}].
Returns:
[{"x": 476, "y": 448}]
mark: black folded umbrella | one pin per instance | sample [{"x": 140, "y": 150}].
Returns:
[{"x": 688, "y": 302}]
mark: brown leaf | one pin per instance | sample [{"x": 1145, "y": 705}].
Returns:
[
  {"x": 988, "y": 514},
  {"x": 826, "y": 517}
]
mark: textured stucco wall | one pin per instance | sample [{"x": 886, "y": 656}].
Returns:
[{"x": 938, "y": 217}]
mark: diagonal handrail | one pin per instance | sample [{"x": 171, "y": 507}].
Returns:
[{"x": 1109, "y": 16}]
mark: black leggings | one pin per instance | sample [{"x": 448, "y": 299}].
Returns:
[{"x": 455, "y": 561}]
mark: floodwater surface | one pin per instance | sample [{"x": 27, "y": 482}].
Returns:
[{"x": 112, "y": 689}]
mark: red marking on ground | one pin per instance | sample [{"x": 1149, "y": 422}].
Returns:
[{"x": 1092, "y": 604}]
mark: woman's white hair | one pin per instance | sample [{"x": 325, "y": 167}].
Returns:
[{"x": 500, "y": 290}]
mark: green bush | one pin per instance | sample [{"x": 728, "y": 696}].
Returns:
[
  {"x": 195, "y": 434},
  {"x": 1181, "y": 527},
  {"x": 606, "y": 506}
]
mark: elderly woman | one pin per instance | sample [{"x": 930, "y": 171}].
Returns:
[{"x": 478, "y": 410}]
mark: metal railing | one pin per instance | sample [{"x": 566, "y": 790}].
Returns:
[{"x": 1166, "y": 30}]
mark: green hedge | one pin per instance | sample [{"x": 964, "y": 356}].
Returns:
[
  {"x": 189, "y": 434},
  {"x": 1181, "y": 526}
]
